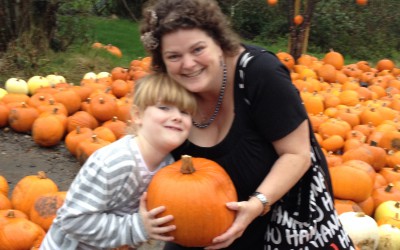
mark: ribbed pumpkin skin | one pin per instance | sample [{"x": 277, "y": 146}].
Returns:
[{"x": 196, "y": 200}]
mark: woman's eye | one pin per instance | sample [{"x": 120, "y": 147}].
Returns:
[
  {"x": 198, "y": 50},
  {"x": 173, "y": 57}
]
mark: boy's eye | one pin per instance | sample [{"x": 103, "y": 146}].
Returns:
[
  {"x": 163, "y": 107},
  {"x": 185, "y": 112}
]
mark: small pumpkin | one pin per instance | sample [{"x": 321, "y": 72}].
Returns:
[
  {"x": 74, "y": 137},
  {"x": 87, "y": 147},
  {"x": 19, "y": 233},
  {"x": 389, "y": 237},
  {"x": 29, "y": 188},
  {"x": 4, "y": 187},
  {"x": 81, "y": 119},
  {"x": 361, "y": 228},
  {"x": 387, "y": 208},
  {"x": 5, "y": 203},
  {"x": 47, "y": 131},
  {"x": 182, "y": 187},
  {"x": 21, "y": 118},
  {"x": 350, "y": 183}
]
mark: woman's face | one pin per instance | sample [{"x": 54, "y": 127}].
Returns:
[{"x": 193, "y": 59}]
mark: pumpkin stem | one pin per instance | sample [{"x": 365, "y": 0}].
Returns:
[
  {"x": 42, "y": 175},
  {"x": 187, "y": 165},
  {"x": 10, "y": 214},
  {"x": 360, "y": 214},
  {"x": 389, "y": 187},
  {"x": 397, "y": 204}
]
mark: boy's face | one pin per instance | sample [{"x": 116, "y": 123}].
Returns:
[{"x": 164, "y": 126}]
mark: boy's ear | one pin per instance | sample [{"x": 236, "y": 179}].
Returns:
[{"x": 136, "y": 114}]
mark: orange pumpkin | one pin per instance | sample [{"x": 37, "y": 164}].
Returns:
[
  {"x": 350, "y": 183},
  {"x": 4, "y": 187},
  {"x": 5, "y": 203},
  {"x": 343, "y": 206},
  {"x": 82, "y": 119},
  {"x": 286, "y": 58},
  {"x": 47, "y": 131},
  {"x": 74, "y": 137},
  {"x": 116, "y": 126},
  {"x": 181, "y": 188},
  {"x": 87, "y": 147},
  {"x": 45, "y": 208},
  {"x": 383, "y": 194},
  {"x": 21, "y": 118},
  {"x": 334, "y": 58},
  {"x": 4, "y": 112},
  {"x": 105, "y": 133},
  {"x": 19, "y": 233},
  {"x": 29, "y": 188},
  {"x": 103, "y": 107},
  {"x": 70, "y": 99},
  {"x": 391, "y": 174}
]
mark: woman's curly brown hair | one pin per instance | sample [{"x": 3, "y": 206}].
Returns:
[{"x": 164, "y": 16}]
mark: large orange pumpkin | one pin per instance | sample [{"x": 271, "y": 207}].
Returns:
[{"x": 194, "y": 191}]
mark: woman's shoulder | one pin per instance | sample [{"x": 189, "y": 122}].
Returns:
[{"x": 258, "y": 59}]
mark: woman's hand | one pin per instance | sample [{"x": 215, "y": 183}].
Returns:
[
  {"x": 246, "y": 212},
  {"x": 153, "y": 225}
]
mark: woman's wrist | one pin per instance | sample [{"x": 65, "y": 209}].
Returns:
[{"x": 263, "y": 200}]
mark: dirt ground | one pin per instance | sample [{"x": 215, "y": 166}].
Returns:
[{"x": 20, "y": 156}]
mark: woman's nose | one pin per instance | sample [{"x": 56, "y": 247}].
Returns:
[{"x": 188, "y": 61}]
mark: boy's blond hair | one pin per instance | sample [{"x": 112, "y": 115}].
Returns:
[{"x": 160, "y": 88}]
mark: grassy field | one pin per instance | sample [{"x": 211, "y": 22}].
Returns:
[{"x": 81, "y": 58}]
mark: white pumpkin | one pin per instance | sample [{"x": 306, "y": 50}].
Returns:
[
  {"x": 36, "y": 82},
  {"x": 361, "y": 228},
  {"x": 389, "y": 237},
  {"x": 17, "y": 86},
  {"x": 90, "y": 75},
  {"x": 55, "y": 79},
  {"x": 103, "y": 74}
]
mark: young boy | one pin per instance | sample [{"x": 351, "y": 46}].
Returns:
[{"x": 105, "y": 205}]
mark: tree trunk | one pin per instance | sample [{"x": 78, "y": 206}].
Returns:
[
  {"x": 298, "y": 40},
  {"x": 32, "y": 21}
]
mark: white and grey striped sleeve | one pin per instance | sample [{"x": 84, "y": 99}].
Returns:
[{"x": 87, "y": 213}]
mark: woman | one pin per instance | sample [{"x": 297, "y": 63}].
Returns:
[{"x": 252, "y": 122}]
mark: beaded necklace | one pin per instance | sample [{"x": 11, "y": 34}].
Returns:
[{"x": 218, "y": 106}]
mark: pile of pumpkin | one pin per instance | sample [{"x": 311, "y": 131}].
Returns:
[
  {"x": 355, "y": 113},
  {"x": 85, "y": 117},
  {"x": 354, "y": 110}
]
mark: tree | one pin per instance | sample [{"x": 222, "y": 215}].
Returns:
[
  {"x": 299, "y": 33},
  {"x": 28, "y": 21}
]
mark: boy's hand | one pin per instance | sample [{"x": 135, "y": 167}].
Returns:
[{"x": 153, "y": 225}]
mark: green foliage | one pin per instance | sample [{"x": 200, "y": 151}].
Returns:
[{"x": 360, "y": 31}]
